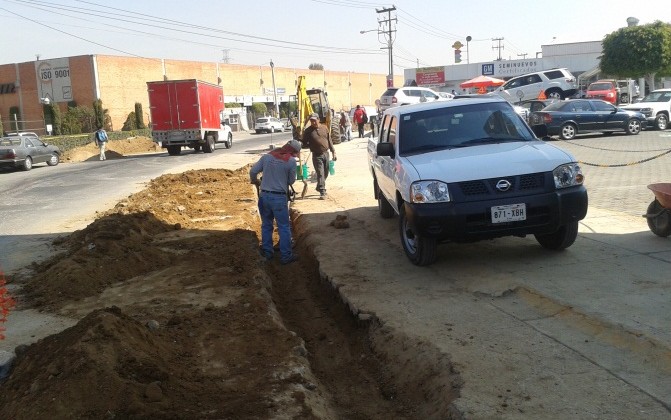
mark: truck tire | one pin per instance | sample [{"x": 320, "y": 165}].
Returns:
[
  {"x": 210, "y": 143},
  {"x": 383, "y": 206},
  {"x": 174, "y": 150},
  {"x": 419, "y": 249},
  {"x": 561, "y": 239},
  {"x": 229, "y": 141},
  {"x": 662, "y": 121}
]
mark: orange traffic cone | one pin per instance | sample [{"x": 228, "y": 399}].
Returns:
[
  {"x": 541, "y": 96},
  {"x": 482, "y": 90}
]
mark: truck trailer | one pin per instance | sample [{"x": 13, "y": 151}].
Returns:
[{"x": 188, "y": 113}]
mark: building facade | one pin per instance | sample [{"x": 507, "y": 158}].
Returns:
[
  {"x": 120, "y": 82},
  {"x": 580, "y": 58}
]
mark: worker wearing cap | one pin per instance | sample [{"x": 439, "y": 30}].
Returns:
[
  {"x": 318, "y": 139},
  {"x": 279, "y": 172}
]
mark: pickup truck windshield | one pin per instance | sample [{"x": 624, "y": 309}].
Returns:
[{"x": 460, "y": 126}]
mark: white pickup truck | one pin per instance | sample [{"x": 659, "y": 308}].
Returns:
[
  {"x": 656, "y": 106},
  {"x": 471, "y": 169}
]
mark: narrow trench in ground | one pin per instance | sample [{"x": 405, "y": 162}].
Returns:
[
  {"x": 339, "y": 349},
  {"x": 366, "y": 371}
]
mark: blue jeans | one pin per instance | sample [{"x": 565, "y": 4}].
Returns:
[{"x": 275, "y": 207}]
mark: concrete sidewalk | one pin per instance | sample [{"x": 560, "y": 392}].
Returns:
[{"x": 534, "y": 334}]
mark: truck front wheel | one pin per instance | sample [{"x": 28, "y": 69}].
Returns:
[
  {"x": 561, "y": 239},
  {"x": 419, "y": 249},
  {"x": 174, "y": 150},
  {"x": 229, "y": 141}
]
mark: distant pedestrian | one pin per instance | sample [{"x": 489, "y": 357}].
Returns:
[
  {"x": 360, "y": 118},
  {"x": 318, "y": 139},
  {"x": 101, "y": 142},
  {"x": 279, "y": 173},
  {"x": 345, "y": 126}
]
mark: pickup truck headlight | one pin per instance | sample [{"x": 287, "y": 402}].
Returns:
[
  {"x": 429, "y": 192},
  {"x": 568, "y": 175}
]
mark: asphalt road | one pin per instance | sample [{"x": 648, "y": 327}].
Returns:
[{"x": 47, "y": 201}]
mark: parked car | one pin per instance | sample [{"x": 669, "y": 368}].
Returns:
[
  {"x": 605, "y": 89},
  {"x": 555, "y": 84},
  {"x": 25, "y": 150},
  {"x": 656, "y": 106},
  {"x": 268, "y": 124},
  {"x": 407, "y": 95},
  {"x": 624, "y": 86},
  {"x": 22, "y": 133},
  {"x": 575, "y": 116},
  {"x": 471, "y": 169},
  {"x": 446, "y": 95},
  {"x": 534, "y": 105}
]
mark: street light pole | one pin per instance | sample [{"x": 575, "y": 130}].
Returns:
[
  {"x": 277, "y": 106},
  {"x": 390, "y": 42}
]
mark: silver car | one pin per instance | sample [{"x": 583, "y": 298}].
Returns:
[{"x": 24, "y": 151}]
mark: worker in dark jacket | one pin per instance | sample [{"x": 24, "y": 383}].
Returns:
[
  {"x": 279, "y": 173},
  {"x": 318, "y": 139}
]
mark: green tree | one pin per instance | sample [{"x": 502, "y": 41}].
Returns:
[
  {"x": 56, "y": 118},
  {"x": 232, "y": 105},
  {"x": 259, "y": 108},
  {"x": 131, "y": 123},
  {"x": 99, "y": 113},
  {"x": 316, "y": 66},
  {"x": 2, "y": 131},
  {"x": 636, "y": 51},
  {"x": 79, "y": 119},
  {"x": 139, "y": 117}
]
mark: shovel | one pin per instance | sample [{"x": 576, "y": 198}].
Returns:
[{"x": 304, "y": 178}]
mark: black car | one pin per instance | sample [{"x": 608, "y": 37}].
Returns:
[{"x": 576, "y": 116}]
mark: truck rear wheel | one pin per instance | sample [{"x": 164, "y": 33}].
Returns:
[
  {"x": 174, "y": 150},
  {"x": 210, "y": 143}
]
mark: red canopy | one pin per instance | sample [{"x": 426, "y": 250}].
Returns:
[{"x": 482, "y": 81}]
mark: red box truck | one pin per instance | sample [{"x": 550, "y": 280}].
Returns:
[{"x": 188, "y": 113}]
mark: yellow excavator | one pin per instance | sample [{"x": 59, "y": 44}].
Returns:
[{"x": 309, "y": 101}]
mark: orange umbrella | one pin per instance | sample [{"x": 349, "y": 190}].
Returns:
[{"x": 482, "y": 81}]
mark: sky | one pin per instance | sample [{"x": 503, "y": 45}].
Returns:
[{"x": 297, "y": 33}]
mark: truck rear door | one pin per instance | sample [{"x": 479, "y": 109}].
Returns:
[{"x": 174, "y": 106}]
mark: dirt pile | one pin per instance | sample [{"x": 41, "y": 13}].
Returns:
[{"x": 116, "y": 149}]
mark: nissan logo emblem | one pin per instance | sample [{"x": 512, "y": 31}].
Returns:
[{"x": 503, "y": 185}]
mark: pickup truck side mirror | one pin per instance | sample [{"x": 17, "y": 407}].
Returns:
[{"x": 385, "y": 149}]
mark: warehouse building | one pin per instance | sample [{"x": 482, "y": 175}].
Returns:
[{"x": 120, "y": 82}]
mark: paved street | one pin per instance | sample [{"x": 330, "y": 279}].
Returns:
[{"x": 622, "y": 188}]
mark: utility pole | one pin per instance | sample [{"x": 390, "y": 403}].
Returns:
[
  {"x": 523, "y": 55},
  {"x": 499, "y": 47},
  {"x": 277, "y": 106},
  {"x": 226, "y": 59},
  {"x": 390, "y": 40}
]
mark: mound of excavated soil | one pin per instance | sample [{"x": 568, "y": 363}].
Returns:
[
  {"x": 190, "y": 330},
  {"x": 115, "y": 149}
]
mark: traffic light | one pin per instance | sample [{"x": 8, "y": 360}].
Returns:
[{"x": 457, "y": 56}]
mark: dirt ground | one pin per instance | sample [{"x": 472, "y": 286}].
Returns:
[{"x": 182, "y": 318}]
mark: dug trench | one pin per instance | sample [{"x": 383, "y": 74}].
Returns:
[{"x": 180, "y": 317}]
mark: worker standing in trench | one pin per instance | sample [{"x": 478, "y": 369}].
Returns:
[{"x": 279, "y": 173}]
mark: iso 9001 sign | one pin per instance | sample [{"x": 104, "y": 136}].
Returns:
[{"x": 53, "y": 79}]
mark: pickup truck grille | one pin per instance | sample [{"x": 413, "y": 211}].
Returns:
[{"x": 486, "y": 188}]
